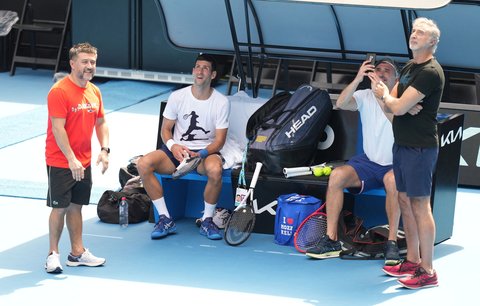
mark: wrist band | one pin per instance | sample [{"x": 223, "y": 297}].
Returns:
[
  {"x": 170, "y": 144},
  {"x": 203, "y": 153}
]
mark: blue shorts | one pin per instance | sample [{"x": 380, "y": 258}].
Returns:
[
  {"x": 370, "y": 174},
  {"x": 413, "y": 168}
]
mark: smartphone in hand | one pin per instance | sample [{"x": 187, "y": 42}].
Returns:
[{"x": 371, "y": 57}]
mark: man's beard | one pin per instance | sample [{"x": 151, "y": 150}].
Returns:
[{"x": 82, "y": 75}]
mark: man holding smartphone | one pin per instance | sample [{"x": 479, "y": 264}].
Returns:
[{"x": 369, "y": 170}]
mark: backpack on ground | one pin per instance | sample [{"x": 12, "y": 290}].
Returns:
[{"x": 286, "y": 130}]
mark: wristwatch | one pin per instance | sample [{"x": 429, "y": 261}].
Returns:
[{"x": 106, "y": 149}]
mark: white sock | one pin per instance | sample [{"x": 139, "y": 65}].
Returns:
[
  {"x": 161, "y": 207},
  {"x": 209, "y": 210}
]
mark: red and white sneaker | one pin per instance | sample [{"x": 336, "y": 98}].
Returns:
[
  {"x": 405, "y": 268},
  {"x": 421, "y": 279}
]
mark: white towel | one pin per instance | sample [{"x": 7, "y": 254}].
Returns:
[{"x": 7, "y": 20}]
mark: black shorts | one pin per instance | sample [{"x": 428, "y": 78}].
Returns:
[{"x": 63, "y": 189}]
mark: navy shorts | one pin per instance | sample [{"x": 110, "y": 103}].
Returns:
[
  {"x": 370, "y": 174},
  {"x": 63, "y": 189},
  {"x": 413, "y": 168},
  {"x": 170, "y": 155}
]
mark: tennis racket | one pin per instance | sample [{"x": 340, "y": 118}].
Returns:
[
  {"x": 242, "y": 220},
  {"x": 242, "y": 189},
  {"x": 311, "y": 230},
  {"x": 187, "y": 165},
  {"x": 308, "y": 170}
]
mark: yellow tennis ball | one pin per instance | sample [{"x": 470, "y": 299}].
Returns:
[
  {"x": 318, "y": 171},
  {"x": 327, "y": 171}
]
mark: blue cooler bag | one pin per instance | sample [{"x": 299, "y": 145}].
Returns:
[{"x": 292, "y": 209}]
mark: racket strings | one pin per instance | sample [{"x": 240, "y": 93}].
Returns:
[
  {"x": 240, "y": 225},
  {"x": 310, "y": 233}
]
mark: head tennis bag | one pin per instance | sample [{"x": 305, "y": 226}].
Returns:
[{"x": 286, "y": 130}]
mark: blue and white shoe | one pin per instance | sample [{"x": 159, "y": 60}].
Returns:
[
  {"x": 163, "y": 227},
  {"x": 86, "y": 259},
  {"x": 209, "y": 229}
]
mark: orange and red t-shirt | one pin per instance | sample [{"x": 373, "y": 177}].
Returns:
[{"x": 80, "y": 107}]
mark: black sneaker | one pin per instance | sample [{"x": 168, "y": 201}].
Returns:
[
  {"x": 392, "y": 256},
  {"x": 325, "y": 248}
]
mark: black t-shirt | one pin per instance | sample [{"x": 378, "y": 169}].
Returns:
[{"x": 420, "y": 130}]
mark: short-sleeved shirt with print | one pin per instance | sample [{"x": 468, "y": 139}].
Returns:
[
  {"x": 80, "y": 107},
  {"x": 196, "y": 120}
]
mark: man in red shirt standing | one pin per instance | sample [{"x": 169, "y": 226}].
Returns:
[{"x": 75, "y": 109}]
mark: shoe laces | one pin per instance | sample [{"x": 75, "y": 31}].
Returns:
[
  {"x": 418, "y": 272},
  {"x": 325, "y": 243},
  {"x": 53, "y": 255},
  {"x": 421, "y": 271},
  {"x": 86, "y": 254},
  {"x": 406, "y": 265},
  {"x": 325, "y": 240},
  {"x": 53, "y": 258},
  {"x": 224, "y": 213},
  {"x": 164, "y": 221},
  {"x": 390, "y": 244},
  {"x": 209, "y": 225}
]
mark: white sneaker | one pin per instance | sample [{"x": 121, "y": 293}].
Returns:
[
  {"x": 86, "y": 259},
  {"x": 53, "y": 263},
  {"x": 221, "y": 217}
]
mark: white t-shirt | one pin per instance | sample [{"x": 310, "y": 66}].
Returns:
[
  {"x": 196, "y": 120},
  {"x": 376, "y": 128}
]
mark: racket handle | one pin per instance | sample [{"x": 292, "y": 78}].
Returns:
[{"x": 256, "y": 173}]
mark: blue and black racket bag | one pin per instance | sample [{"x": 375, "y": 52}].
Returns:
[{"x": 286, "y": 130}]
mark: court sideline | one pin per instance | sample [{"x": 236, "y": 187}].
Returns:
[{"x": 184, "y": 268}]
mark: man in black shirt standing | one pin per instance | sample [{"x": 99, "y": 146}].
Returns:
[{"x": 415, "y": 151}]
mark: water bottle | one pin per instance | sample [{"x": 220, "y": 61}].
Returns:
[{"x": 123, "y": 212}]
